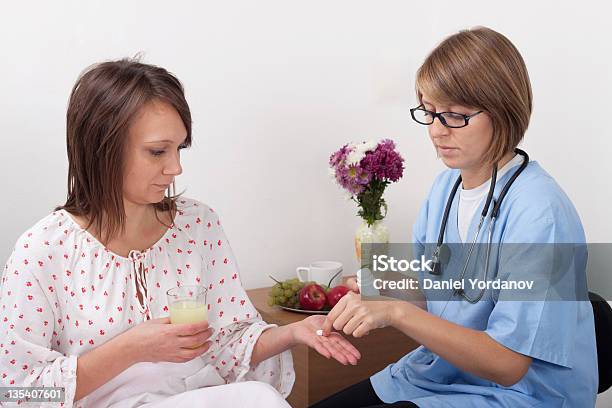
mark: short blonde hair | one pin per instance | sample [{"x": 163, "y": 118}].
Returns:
[{"x": 480, "y": 68}]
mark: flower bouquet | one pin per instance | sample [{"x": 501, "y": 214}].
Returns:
[{"x": 364, "y": 170}]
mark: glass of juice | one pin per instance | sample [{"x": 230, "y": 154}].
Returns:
[{"x": 187, "y": 304}]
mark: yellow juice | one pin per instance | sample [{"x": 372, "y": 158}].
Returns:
[{"x": 187, "y": 311}]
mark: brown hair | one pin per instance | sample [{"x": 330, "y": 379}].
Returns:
[
  {"x": 103, "y": 103},
  {"x": 480, "y": 68}
]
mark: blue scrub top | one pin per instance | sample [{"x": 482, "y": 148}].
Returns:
[{"x": 559, "y": 336}]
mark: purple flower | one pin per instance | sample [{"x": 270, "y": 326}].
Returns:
[
  {"x": 384, "y": 163},
  {"x": 339, "y": 157},
  {"x": 351, "y": 179}
]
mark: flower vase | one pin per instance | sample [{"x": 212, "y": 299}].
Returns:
[{"x": 377, "y": 233}]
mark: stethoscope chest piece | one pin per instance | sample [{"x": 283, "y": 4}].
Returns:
[{"x": 441, "y": 255}]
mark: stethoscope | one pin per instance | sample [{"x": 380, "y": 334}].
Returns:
[{"x": 442, "y": 251}]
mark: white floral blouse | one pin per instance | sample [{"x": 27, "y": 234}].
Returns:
[{"x": 63, "y": 293}]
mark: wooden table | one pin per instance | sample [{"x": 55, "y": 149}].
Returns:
[{"x": 317, "y": 377}]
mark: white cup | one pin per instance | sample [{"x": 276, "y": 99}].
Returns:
[{"x": 321, "y": 272}]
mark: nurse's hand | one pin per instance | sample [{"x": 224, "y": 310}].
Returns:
[
  {"x": 331, "y": 346},
  {"x": 351, "y": 283},
  {"x": 356, "y": 317}
]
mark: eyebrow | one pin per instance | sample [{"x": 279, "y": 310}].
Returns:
[
  {"x": 165, "y": 141},
  {"x": 423, "y": 101}
]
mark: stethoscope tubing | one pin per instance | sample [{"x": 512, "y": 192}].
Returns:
[{"x": 495, "y": 212}]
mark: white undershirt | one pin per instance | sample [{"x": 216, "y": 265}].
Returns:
[{"x": 470, "y": 200}]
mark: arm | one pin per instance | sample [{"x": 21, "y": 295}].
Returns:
[
  {"x": 98, "y": 366},
  {"x": 271, "y": 342},
  {"x": 470, "y": 350}
]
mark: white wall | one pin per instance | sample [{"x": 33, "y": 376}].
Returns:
[{"x": 276, "y": 86}]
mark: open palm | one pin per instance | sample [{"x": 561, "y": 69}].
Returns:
[{"x": 332, "y": 346}]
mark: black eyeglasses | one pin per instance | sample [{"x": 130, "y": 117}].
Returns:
[{"x": 448, "y": 119}]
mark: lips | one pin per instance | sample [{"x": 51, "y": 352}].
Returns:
[{"x": 446, "y": 151}]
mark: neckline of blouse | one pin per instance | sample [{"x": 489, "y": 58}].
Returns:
[{"x": 132, "y": 251}]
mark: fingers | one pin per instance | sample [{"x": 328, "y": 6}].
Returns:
[
  {"x": 196, "y": 339},
  {"x": 333, "y": 315},
  {"x": 351, "y": 283},
  {"x": 344, "y": 318},
  {"x": 336, "y": 352},
  {"x": 343, "y": 345},
  {"x": 160, "y": 320},
  {"x": 352, "y": 324},
  {"x": 346, "y": 345},
  {"x": 321, "y": 349},
  {"x": 362, "y": 330},
  {"x": 206, "y": 334},
  {"x": 189, "y": 329},
  {"x": 190, "y": 354}
]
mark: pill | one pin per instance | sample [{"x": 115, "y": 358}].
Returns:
[{"x": 319, "y": 332}]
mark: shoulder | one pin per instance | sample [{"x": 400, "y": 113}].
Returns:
[
  {"x": 190, "y": 207},
  {"x": 536, "y": 199},
  {"x": 194, "y": 214},
  {"x": 45, "y": 232},
  {"x": 37, "y": 248},
  {"x": 537, "y": 191}
]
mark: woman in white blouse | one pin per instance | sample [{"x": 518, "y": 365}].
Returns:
[{"x": 83, "y": 295}]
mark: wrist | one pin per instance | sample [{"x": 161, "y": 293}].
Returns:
[
  {"x": 128, "y": 348},
  {"x": 292, "y": 333},
  {"x": 398, "y": 312}
]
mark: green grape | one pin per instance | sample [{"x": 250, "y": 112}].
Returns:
[
  {"x": 277, "y": 291},
  {"x": 281, "y": 300},
  {"x": 270, "y": 301},
  {"x": 288, "y": 293},
  {"x": 295, "y": 287}
]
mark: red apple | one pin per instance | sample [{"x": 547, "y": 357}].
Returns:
[
  {"x": 335, "y": 294},
  {"x": 312, "y": 297}
]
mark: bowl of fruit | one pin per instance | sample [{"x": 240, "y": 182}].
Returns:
[{"x": 305, "y": 297}]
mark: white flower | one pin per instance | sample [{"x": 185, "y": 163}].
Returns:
[
  {"x": 367, "y": 146},
  {"x": 359, "y": 150},
  {"x": 354, "y": 157}
]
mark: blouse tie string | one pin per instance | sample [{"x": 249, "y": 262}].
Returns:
[{"x": 139, "y": 270}]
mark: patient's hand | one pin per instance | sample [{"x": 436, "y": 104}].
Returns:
[
  {"x": 158, "y": 340},
  {"x": 334, "y": 345}
]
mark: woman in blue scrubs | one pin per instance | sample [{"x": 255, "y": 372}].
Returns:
[{"x": 500, "y": 351}]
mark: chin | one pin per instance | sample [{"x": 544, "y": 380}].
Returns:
[
  {"x": 155, "y": 198},
  {"x": 452, "y": 163}
]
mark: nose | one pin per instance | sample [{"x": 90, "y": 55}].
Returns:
[
  {"x": 173, "y": 166},
  {"x": 437, "y": 129}
]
